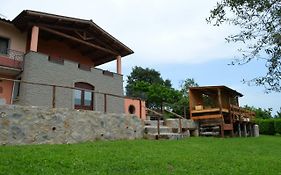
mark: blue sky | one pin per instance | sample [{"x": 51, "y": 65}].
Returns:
[{"x": 169, "y": 36}]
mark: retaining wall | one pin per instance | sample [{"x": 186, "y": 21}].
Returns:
[{"x": 40, "y": 125}]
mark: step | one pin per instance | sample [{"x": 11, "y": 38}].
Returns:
[
  {"x": 154, "y": 130},
  {"x": 185, "y": 123},
  {"x": 168, "y": 136},
  {"x": 213, "y": 128},
  {"x": 153, "y": 122},
  {"x": 209, "y": 133}
]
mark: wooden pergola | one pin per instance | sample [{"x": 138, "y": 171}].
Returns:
[{"x": 83, "y": 35}]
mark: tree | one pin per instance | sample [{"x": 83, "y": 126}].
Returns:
[
  {"x": 148, "y": 85},
  {"x": 149, "y": 76},
  {"x": 160, "y": 96},
  {"x": 259, "y": 21},
  {"x": 186, "y": 84},
  {"x": 183, "y": 103},
  {"x": 260, "y": 113},
  {"x": 278, "y": 114}
]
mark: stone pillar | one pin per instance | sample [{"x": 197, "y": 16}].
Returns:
[
  {"x": 34, "y": 38},
  {"x": 256, "y": 130},
  {"x": 118, "y": 65}
]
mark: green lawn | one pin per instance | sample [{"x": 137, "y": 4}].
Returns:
[{"x": 189, "y": 156}]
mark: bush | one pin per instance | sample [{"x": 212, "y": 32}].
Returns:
[
  {"x": 266, "y": 126},
  {"x": 277, "y": 125}
]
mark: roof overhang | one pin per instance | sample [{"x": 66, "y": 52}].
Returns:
[{"x": 95, "y": 41}]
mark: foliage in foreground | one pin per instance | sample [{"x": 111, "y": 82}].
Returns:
[
  {"x": 190, "y": 156},
  {"x": 259, "y": 22}
]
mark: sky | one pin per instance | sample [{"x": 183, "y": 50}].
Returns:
[{"x": 171, "y": 37}]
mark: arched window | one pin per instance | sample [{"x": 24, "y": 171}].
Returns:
[{"x": 84, "y": 99}]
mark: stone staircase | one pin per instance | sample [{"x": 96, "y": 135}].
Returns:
[{"x": 169, "y": 129}]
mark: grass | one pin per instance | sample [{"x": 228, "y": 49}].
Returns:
[{"x": 189, "y": 156}]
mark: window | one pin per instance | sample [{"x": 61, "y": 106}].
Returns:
[
  {"x": 84, "y": 99},
  {"x": 132, "y": 109},
  {"x": 4, "y": 44},
  {"x": 16, "y": 91},
  {"x": 78, "y": 95}
]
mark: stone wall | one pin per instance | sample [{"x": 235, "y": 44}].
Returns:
[
  {"x": 38, "y": 69},
  {"x": 41, "y": 125}
]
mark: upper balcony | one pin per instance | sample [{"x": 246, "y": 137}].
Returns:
[{"x": 11, "y": 62}]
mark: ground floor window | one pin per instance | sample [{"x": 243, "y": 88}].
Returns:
[
  {"x": 84, "y": 99},
  {"x": 16, "y": 91}
]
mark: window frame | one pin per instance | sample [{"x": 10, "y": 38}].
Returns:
[
  {"x": 83, "y": 105},
  {"x": 8, "y": 45}
]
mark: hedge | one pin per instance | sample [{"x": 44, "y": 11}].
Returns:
[
  {"x": 269, "y": 126},
  {"x": 277, "y": 125}
]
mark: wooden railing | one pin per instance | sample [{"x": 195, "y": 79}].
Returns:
[
  {"x": 179, "y": 117},
  {"x": 54, "y": 91},
  {"x": 158, "y": 120},
  {"x": 241, "y": 114},
  {"x": 158, "y": 115},
  {"x": 11, "y": 58}
]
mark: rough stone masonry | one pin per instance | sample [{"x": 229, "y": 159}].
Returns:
[{"x": 39, "y": 125}]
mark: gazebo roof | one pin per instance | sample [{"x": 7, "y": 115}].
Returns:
[{"x": 223, "y": 88}]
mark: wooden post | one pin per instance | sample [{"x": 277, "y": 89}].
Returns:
[
  {"x": 180, "y": 126},
  {"x": 140, "y": 108},
  {"x": 220, "y": 106},
  {"x": 34, "y": 38},
  {"x": 184, "y": 111},
  {"x": 158, "y": 127},
  {"x": 220, "y": 102},
  {"x": 222, "y": 130},
  {"x": 245, "y": 129},
  {"x": 239, "y": 130},
  {"x": 105, "y": 103},
  {"x": 54, "y": 97},
  {"x": 119, "y": 66},
  {"x": 250, "y": 129}
]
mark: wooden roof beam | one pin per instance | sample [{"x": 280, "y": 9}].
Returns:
[
  {"x": 84, "y": 36},
  {"x": 78, "y": 40}
]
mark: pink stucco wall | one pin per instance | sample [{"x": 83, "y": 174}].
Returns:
[
  {"x": 139, "y": 107},
  {"x": 17, "y": 38},
  {"x": 58, "y": 49},
  {"x": 7, "y": 88}
]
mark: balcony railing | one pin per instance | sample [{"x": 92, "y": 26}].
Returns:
[
  {"x": 242, "y": 114},
  {"x": 11, "y": 58}
]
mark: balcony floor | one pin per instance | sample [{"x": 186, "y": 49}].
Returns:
[{"x": 4, "y": 70}]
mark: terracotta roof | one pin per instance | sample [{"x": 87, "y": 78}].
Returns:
[
  {"x": 71, "y": 26},
  {"x": 5, "y": 20}
]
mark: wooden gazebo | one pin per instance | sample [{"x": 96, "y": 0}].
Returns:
[{"x": 217, "y": 110}]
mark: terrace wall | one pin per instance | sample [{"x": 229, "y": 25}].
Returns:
[
  {"x": 39, "y": 125},
  {"x": 38, "y": 69}
]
